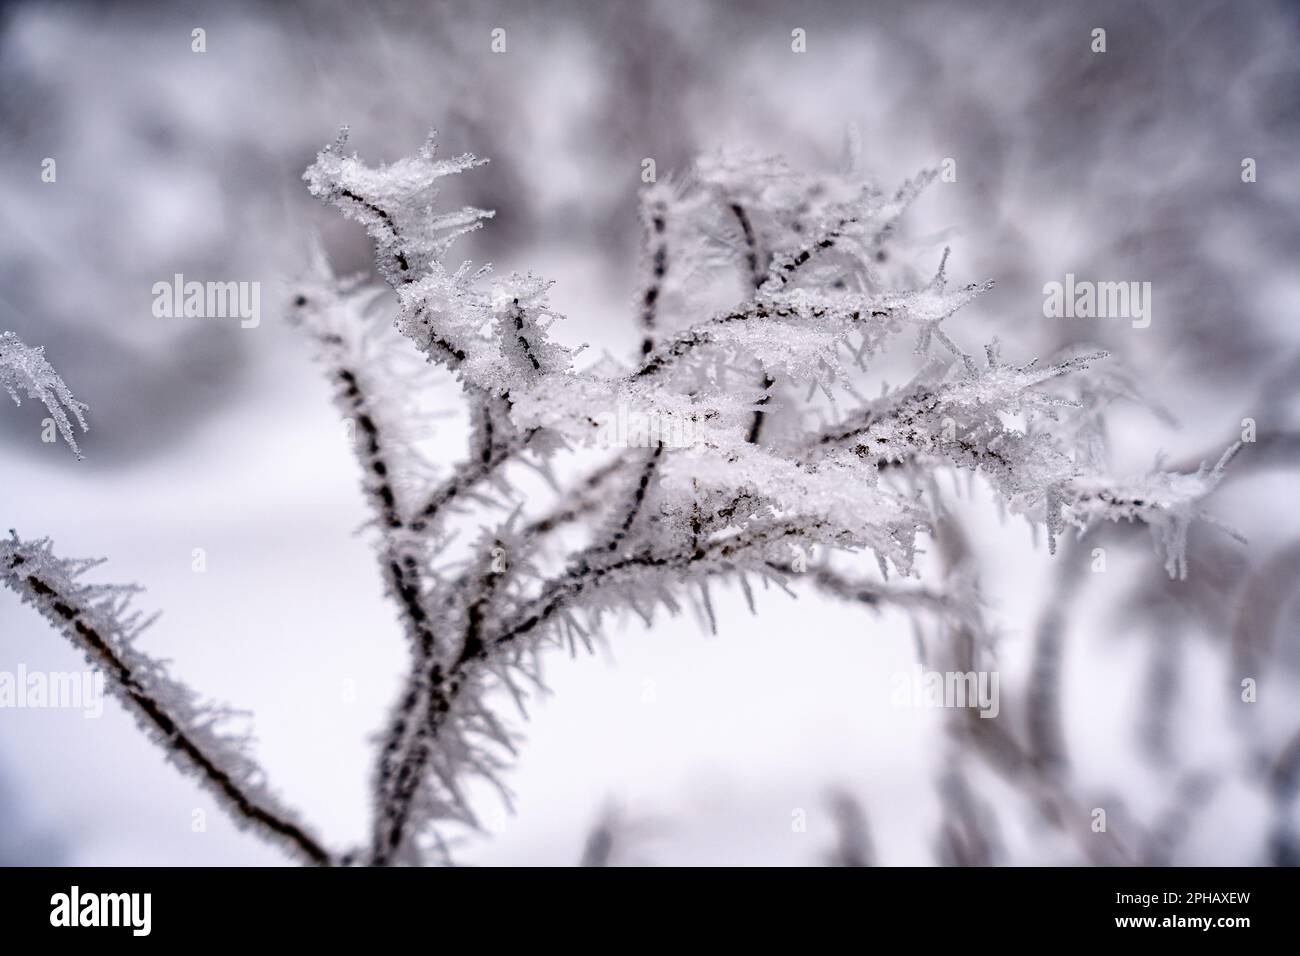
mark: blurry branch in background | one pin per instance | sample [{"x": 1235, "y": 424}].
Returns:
[
  {"x": 613, "y": 839},
  {"x": 967, "y": 833},
  {"x": 1263, "y": 597},
  {"x": 968, "y": 830},
  {"x": 1043, "y": 718},
  {"x": 1192, "y": 792},
  {"x": 1284, "y": 789},
  {"x": 99, "y": 621},
  {"x": 1244, "y": 602},
  {"x": 599, "y": 845},
  {"x": 1257, "y": 631},
  {"x": 616, "y": 836},
  {"x": 853, "y": 846}
]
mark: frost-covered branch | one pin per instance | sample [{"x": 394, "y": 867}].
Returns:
[
  {"x": 370, "y": 391},
  {"x": 394, "y": 203},
  {"x": 25, "y": 370},
  {"x": 711, "y": 491},
  {"x": 99, "y": 621}
]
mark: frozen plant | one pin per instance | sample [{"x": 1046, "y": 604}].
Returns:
[
  {"x": 24, "y": 369},
  {"x": 787, "y": 462}
]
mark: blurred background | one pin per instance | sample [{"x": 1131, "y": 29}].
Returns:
[{"x": 665, "y": 748}]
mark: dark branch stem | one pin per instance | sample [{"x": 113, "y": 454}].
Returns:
[
  {"x": 656, "y": 229},
  {"x": 757, "y": 276},
  {"x": 491, "y": 453},
  {"x": 399, "y": 257}
]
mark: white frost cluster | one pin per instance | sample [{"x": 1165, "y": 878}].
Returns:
[
  {"x": 24, "y": 369},
  {"x": 395, "y": 204},
  {"x": 1167, "y": 502}
]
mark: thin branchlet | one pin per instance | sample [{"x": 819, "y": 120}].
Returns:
[
  {"x": 757, "y": 276},
  {"x": 656, "y": 245}
]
